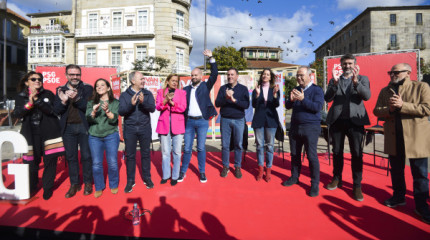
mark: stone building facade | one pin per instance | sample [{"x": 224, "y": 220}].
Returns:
[
  {"x": 116, "y": 33},
  {"x": 381, "y": 29}
]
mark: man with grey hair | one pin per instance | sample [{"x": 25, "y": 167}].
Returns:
[
  {"x": 306, "y": 100},
  {"x": 347, "y": 117},
  {"x": 405, "y": 106},
  {"x": 135, "y": 105}
]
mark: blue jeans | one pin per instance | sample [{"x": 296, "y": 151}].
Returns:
[
  {"x": 98, "y": 145},
  {"x": 307, "y": 135},
  {"x": 262, "y": 135},
  {"x": 232, "y": 126},
  {"x": 191, "y": 127},
  {"x": 133, "y": 134},
  {"x": 419, "y": 169},
  {"x": 74, "y": 135},
  {"x": 166, "y": 148}
]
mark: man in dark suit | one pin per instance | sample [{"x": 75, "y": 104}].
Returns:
[
  {"x": 198, "y": 113},
  {"x": 347, "y": 116}
]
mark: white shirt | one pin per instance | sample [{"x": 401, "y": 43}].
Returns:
[{"x": 194, "y": 109}]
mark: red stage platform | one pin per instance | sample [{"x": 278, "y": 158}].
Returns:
[{"x": 226, "y": 208}]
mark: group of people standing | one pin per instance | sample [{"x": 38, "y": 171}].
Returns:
[{"x": 83, "y": 117}]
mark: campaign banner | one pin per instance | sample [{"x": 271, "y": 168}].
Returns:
[
  {"x": 55, "y": 75},
  {"x": 375, "y": 67}
]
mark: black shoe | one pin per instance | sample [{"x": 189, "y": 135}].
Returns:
[
  {"x": 173, "y": 182},
  {"x": 314, "y": 192},
  {"x": 149, "y": 184},
  {"x": 290, "y": 181},
  {"x": 237, "y": 172},
  {"x": 203, "y": 178},
  {"x": 129, "y": 187},
  {"x": 394, "y": 202},
  {"x": 72, "y": 190},
  {"x": 424, "y": 215},
  {"x": 163, "y": 181},
  {"x": 181, "y": 177},
  {"x": 88, "y": 189},
  {"x": 47, "y": 194},
  {"x": 224, "y": 171}
]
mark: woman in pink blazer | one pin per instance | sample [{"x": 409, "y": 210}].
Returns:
[{"x": 171, "y": 102}]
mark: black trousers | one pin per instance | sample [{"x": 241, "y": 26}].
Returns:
[
  {"x": 131, "y": 136},
  {"x": 49, "y": 162},
  {"x": 338, "y": 130}
]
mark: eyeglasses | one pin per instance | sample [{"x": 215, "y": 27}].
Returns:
[
  {"x": 36, "y": 79},
  {"x": 396, "y": 72},
  {"x": 74, "y": 75}
]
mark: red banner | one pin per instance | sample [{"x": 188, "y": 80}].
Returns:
[
  {"x": 55, "y": 76},
  {"x": 375, "y": 67}
]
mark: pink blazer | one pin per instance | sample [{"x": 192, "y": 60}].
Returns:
[{"x": 176, "y": 112}]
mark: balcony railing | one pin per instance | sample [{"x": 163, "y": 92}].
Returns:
[
  {"x": 46, "y": 58},
  {"x": 182, "y": 32},
  {"x": 181, "y": 69},
  {"x": 57, "y": 28},
  {"x": 421, "y": 46},
  {"x": 393, "y": 46},
  {"x": 113, "y": 31}
]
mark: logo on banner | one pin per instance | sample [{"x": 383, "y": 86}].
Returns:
[{"x": 50, "y": 77}]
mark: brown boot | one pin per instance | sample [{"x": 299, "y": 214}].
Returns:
[
  {"x": 260, "y": 173},
  {"x": 357, "y": 194},
  {"x": 268, "y": 174}
]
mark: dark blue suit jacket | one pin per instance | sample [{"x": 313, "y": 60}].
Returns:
[
  {"x": 203, "y": 95},
  {"x": 265, "y": 113}
]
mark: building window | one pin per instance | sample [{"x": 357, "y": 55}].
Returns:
[
  {"x": 362, "y": 41},
  {"x": 350, "y": 33},
  {"x": 21, "y": 56},
  {"x": 179, "y": 58},
  {"x": 8, "y": 29},
  {"x": 142, "y": 20},
  {"x": 92, "y": 23},
  {"x": 40, "y": 47},
  {"x": 33, "y": 48},
  {"x": 117, "y": 22},
  {"x": 141, "y": 52},
  {"x": 419, "y": 40},
  {"x": 419, "y": 17},
  {"x": 48, "y": 47},
  {"x": 180, "y": 19},
  {"x": 393, "y": 40},
  {"x": 116, "y": 56},
  {"x": 261, "y": 54},
  {"x": 91, "y": 56},
  {"x": 57, "y": 46},
  {"x": 350, "y": 47},
  {"x": 356, "y": 46},
  {"x": 19, "y": 33},
  {"x": 393, "y": 19},
  {"x": 52, "y": 21},
  {"x": 250, "y": 54},
  {"x": 273, "y": 55}
]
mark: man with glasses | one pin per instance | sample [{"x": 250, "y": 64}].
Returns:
[
  {"x": 347, "y": 117},
  {"x": 71, "y": 104},
  {"x": 405, "y": 106}
]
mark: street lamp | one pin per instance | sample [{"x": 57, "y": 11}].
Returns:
[{"x": 3, "y": 6}]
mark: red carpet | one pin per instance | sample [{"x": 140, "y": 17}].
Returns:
[{"x": 228, "y": 208}]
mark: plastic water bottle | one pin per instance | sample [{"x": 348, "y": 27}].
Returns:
[{"x": 135, "y": 215}]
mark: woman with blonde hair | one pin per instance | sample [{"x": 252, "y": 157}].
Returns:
[{"x": 171, "y": 102}]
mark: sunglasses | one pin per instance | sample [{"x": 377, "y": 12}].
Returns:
[
  {"x": 396, "y": 72},
  {"x": 36, "y": 79}
]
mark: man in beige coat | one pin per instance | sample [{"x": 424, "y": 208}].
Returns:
[{"x": 405, "y": 107}]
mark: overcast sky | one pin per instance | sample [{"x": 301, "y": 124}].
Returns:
[{"x": 298, "y": 27}]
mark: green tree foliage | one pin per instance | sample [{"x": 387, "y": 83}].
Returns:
[
  {"x": 227, "y": 57},
  {"x": 151, "y": 63},
  {"x": 290, "y": 83},
  {"x": 318, "y": 65}
]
